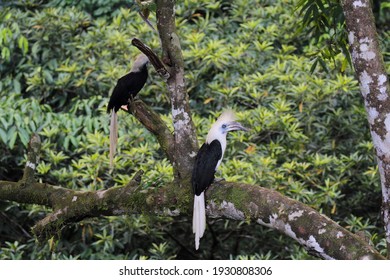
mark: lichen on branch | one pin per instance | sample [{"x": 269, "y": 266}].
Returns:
[{"x": 370, "y": 70}]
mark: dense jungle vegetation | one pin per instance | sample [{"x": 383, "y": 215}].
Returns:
[{"x": 309, "y": 134}]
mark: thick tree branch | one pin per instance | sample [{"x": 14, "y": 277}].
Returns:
[
  {"x": 71, "y": 206},
  {"x": 320, "y": 235},
  {"x": 152, "y": 121},
  {"x": 317, "y": 233},
  {"x": 185, "y": 140},
  {"x": 370, "y": 70}
]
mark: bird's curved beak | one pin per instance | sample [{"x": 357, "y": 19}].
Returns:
[{"x": 236, "y": 126}]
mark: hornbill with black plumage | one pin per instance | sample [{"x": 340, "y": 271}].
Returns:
[
  {"x": 207, "y": 160},
  {"x": 127, "y": 87}
]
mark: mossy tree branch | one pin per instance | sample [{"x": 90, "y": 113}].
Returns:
[
  {"x": 317, "y": 233},
  {"x": 320, "y": 235}
]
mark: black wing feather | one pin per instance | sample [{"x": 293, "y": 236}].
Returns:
[
  {"x": 205, "y": 163},
  {"x": 127, "y": 86}
]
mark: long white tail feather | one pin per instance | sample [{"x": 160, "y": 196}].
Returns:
[
  {"x": 199, "y": 218},
  {"x": 113, "y": 136}
]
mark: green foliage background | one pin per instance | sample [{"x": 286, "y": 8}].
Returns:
[{"x": 309, "y": 139}]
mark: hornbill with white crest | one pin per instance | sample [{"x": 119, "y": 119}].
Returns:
[
  {"x": 207, "y": 160},
  {"x": 125, "y": 90}
]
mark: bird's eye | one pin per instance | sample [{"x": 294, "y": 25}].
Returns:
[{"x": 224, "y": 126}]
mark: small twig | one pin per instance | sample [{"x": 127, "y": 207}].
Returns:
[
  {"x": 183, "y": 246},
  {"x": 147, "y": 21},
  {"x": 16, "y": 224},
  {"x": 145, "y": 11},
  {"x": 153, "y": 58}
]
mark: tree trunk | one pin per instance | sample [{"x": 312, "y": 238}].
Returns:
[
  {"x": 185, "y": 141},
  {"x": 370, "y": 70}
]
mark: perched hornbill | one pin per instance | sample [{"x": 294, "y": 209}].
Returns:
[
  {"x": 125, "y": 90},
  {"x": 207, "y": 161}
]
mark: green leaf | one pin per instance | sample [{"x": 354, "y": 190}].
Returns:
[
  {"x": 48, "y": 77},
  {"x": 24, "y": 136},
  {"x": 3, "y": 136},
  {"x": 17, "y": 86},
  {"x": 313, "y": 66},
  {"x": 23, "y": 44},
  {"x": 323, "y": 65},
  {"x": 5, "y": 53},
  {"x": 12, "y": 135}
]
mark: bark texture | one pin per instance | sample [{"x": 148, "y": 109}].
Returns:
[
  {"x": 370, "y": 70},
  {"x": 185, "y": 140}
]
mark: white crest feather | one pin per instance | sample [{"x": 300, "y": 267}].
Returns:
[{"x": 227, "y": 116}]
